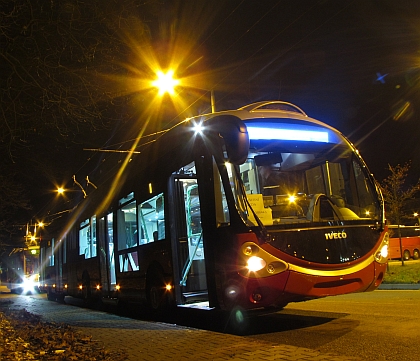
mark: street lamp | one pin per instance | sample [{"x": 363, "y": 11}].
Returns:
[
  {"x": 165, "y": 82},
  {"x": 416, "y": 215},
  {"x": 40, "y": 226}
]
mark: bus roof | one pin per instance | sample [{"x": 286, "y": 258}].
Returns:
[{"x": 266, "y": 110}]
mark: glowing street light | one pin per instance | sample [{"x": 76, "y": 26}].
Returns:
[
  {"x": 60, "y": 190},
  {"x": 165, "y": 82}
]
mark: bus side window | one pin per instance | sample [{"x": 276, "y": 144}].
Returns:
[
  {"x": 51, "y": 253},
  {"x": 127, "y": 225},
  {"x": 84, "y": 238},
  {"x": 151, "y": 218}
]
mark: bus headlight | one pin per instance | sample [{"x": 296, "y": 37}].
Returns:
[
  {"x": 255, "y": 264},
  {"x": 28, "y": 285},
  {"x": 382, "y": 253}
]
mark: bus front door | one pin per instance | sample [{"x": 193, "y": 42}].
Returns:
[{"x": 188, "y": 252}]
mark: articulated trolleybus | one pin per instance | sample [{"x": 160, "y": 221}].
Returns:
[{"x": 251, "y": 208}]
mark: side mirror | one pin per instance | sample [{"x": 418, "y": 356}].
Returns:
[{"x": 235, "y": 136}]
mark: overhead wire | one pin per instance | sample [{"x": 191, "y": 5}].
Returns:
[
  {"x": 244, "y": 61},
  {"x": 159, "y": 133}
]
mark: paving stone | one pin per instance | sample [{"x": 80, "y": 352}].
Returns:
[{"x": 154, "y": 341}]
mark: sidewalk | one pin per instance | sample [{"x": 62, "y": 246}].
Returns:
[{"x": 155, "y": 341}]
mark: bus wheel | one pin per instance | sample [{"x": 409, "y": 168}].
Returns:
[
  {"x": 406, "y": 255},
  {"x": 86, "y": 287},
  {"x": 51, "y": 295},
  {"x": 60, "y": 298},
  {"x": 416, "y": 254},
  {"x": 156, "y": 296}
]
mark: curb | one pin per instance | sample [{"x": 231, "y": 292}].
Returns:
[{"x": 399, "y": 286}]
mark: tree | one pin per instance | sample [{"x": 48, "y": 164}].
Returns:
[
  {"x": 53, "y": 92},
  {"x": 74, "y": 74},
  {"x": 52, "y": 56},
  {"x": 396, "y": 193},
  {"x": 12, "y": 198}
]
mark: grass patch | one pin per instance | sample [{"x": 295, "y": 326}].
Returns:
[{"x": 396, "y": 273}]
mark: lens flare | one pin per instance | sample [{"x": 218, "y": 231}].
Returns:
[{"x": 165, "y": 82}]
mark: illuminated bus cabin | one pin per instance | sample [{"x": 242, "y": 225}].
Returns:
[{"x": 255, "y": 207}]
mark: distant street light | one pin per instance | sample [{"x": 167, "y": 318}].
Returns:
[
  {"x": 60, "y": 190},
  {"x": 416, "y": 215}
]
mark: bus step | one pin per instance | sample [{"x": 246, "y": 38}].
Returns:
[
  {"x": 110, "y": 301},
  {"x": 193, "y": 297},
  {"x": 198, "y": 305}
]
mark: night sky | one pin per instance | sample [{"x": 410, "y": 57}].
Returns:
[{"x": 352, "y": 64}]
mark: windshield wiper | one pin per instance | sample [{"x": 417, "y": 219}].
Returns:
[{"x": 263, "y": 231}]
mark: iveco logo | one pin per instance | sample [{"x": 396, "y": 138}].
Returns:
[{"x": 336, "y": 235}]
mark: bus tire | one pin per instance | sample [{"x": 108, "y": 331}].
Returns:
[
  {"x": 416, "y": 254},
  {"x": 51, "y": 295},
  {"x": 406, "y": 255},
  {"x": 155, "y": 294},
  {"x": 60, "y": 298},
  {"x": 157, "y": 299},
  {"x": 86, "y": 292}
]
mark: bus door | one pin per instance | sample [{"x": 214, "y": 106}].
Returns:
[
  {"x": 188, "y": 252},
  {"x": 106, "y": 254}
]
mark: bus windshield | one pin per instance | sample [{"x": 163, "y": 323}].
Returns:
[{"x": 305, "y": 175}]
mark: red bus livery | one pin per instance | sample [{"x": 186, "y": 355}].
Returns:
[
  {"x": 254, "y": 207},
  {"x": 410, "y": 242}
]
